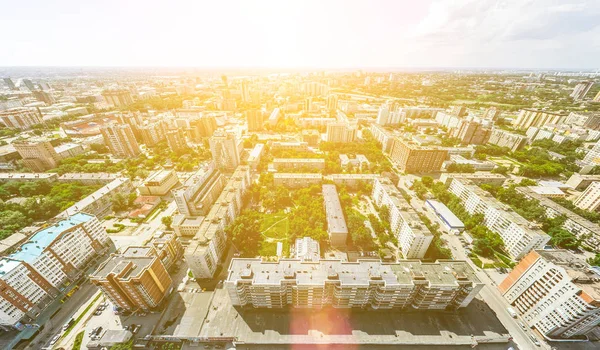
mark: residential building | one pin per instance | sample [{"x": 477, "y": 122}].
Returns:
[
  {"x": 135, "y": 280},
  {"x": 478, "y": 165},
  {"x": 446, "y": 216},
  {"x": 312, "y": 137},
  {"x": 20, "y": 118},
  {"x": 352, "y": 180},
  {"x": 176, "y": 140},
  {"x": 120, "y": 140},
  {"x": 255, "y": 154},
  {"x": 555, "y": 292},
  {"x": 117, "y": 98},
  {"x": 412, "y": 158},
  {"x": 413, "y": 236},
  {"x": 166, "y": 246},
  {"x": 580, "y": 182},
  {"x": 537, "y": 118},
  {"x": 225, "y": 149},
  {"x": 297, "y": 180},
  {"x": 200, "y": 191},
  {"x": 518, "y": 234},
  {"x": 9, "y": 83},
  {"x": 582, "y": 228},
  {"x": 99, "y": 203},
  {"x": 365, "y": 284},
  {"x": 382, "y": 136},
  {"x": 593, "y": 155},
  {"x": 471, "y": 132},
  {"x": 46, "y": 265},
  {"x": 289, "y": 146},
  {"x": 581, "y": 89},
  {"x": 332, "y": 102},
  {"x": 492, "y": 113},
  {"x": 336, "y": 223},
  {"x": 503, "y": 138},
  {"x": 205, "y": 126},
  {"x": 153, "y": 133},
  {"x": 298, "y": 163},
  {"x": 68, "y": 150},
  {"x": 255, "y": 120},
  {"x": 274, "y": 117},
  {"x": 590, "y": 198},
  {"x": 44, "y": 96},
  {"x": 307, "y": 249},
  {"x": 159, "y": 183},
  {"x": 477, "y": 178},
  {"x": 37, "y": 156},
  {"x": 204, "y": 252},
  {"x": 383, "y": 114},
  {"x": 340, "y": 133},
  {"x": 186, "y": 226}
]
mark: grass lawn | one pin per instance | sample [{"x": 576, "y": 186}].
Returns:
[{"x": 275, "y": 228}]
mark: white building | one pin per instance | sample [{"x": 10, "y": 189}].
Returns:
[
  {"x": 555, "y": 292},
  {"x": 413, "y": 236},
  {"x": 519, "y": 235},
  {"x": 336, "y": 223},
  {"x": 307, "y": 249},
  {"x": 44, "y": 267},
  {"x": 225, "y": 149},
  {"x": 590, "y": 198}
]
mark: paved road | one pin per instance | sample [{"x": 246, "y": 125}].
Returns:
[{"x": 145, "y": 231}]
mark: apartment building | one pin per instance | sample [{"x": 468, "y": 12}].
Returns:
[
  {"x": 336, "y": 223},
  {"x": 505, "y": 138},
  {"x": 471, "y": 132},
  {"x": 413, "y": 236},
  {"x": 590, "y": 198},
  {"x": 581, "y": 89},
  {"x": 153, "y": 133},
  {"x": 577, "y": 225},
  {"x": 370, "y": 284},
  {"x": 205, "y": 250},
  {"x": 555, "y": 292},
  {"x": 176, "y": 140},
  {"x": 340, "y": 132},
  {"x": 99, "y": 203},
  {"x": 37, "y": 156},
  {"x": 45, "y": 265},
  {"x": 185, "y": 226},
  {"x": 159, "y": 183},
  {"x": 120, "y": 140},
  {"x": 255, "y": 155},
  {"x": 580, "y": 182},
  {"x": 200, "y": 191},
  {"x": 538, "y": 118},
  {"x": 307, "y": 249},
  {"x": 135, "y": 280},
  {"x": 312, "y": 137},
  {"x": 289, "y": 146},
  {"x": 20, "y": 118},
  {"x": 298, "y": 163},
  {"x": 255, "y": 120},
  {"x": 117, "y": 97},
  {"x": 593, "y": 155},
  {"x": 225, "y": 149},
  {"x": 412, "y": 158},
  {"x": 166, "y": 246},
  {"x": 297, "y": 180},
  {"x": 518, "y": 234},
  {"x": 382, "y": 136}
]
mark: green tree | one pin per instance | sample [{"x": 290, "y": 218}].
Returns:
[
  {"x": 245, "y": 233},
  {"x": 167, "y": 221}
]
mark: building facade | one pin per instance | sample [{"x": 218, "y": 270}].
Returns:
[
  {"x": 20, "y": 118},
  {"x": 537, "y": 118},
  {"x": 503, "y": 138},
  {"x": 200, "y": 191},
  {"x": 590, "y": 198},
  {"x": 37, "y": 156},
  {"x": 225, "y": 150},
  {"x": 412, "y": 158},
  {"x": 120, "y": 140},
  {"x": 159, "y": 183}
]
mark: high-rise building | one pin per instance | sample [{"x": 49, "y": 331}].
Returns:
[
  {"x": 459, "y": 111},
  {"x": 255, "y": 119},
  {"x": 44, "y": 266},
  {"x": 152, "y": 133},
  {"x": 412, "y": 158},
  {"x": 492, "y": 113},
  {"x": 555, "y": 292},
  {"x": 117, "y": 98},
  {"x": 225, "y": 150},
  {"x": 336, "y": 224},
  {"x": 505, "y": 138},
  {"x": 365, "y": 284},
  {"x": 37, "y": 156},
  {"x": 44, "y": 96},
  {"x": 518, "y": 234},
  {"x": 383, "y": 114},
  {"x": 135, "y": 280},
  {"x": 340, "y": 132},
  {"x": 245, "y": 91},
  {"x": 581, "y": 89},
  {"x": 29, "y": 84},
  {"x": 538, "y": 118},
  {"x": 471, "y": 133},
  {"x": 597, "y": 98},
  {"x": 312, "y": 137},
  {"x": 332, "y": 102},
  {"x": 176, "y": 140},
  {"x": 120, "y": 140},
  {"x": 590, "y": 198},
  {"x": 593, "y": 155},
  {"x": 20, "y": 118},
  {"x": 413, "y": 236},
  {"x": 200, "y": 191},
  {"x": 206, "y": 125},
  {"x": 9, "y": 83}
]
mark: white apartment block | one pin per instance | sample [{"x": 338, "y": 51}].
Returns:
[
  {"x": 205, "y": 250},
  {"x": 367, "y": 284},
  {"x": 413, "y": 236},
  {"x": 384, "y": 137},
  {"x": 590, "y": 198},
  {"x": 99, "y": 203},
  {"x": 519, "y": 235},
  {"x": 200, "y": 191},
  {"x": 44, "y": 266},
  {"x": 555, "y": 292}
]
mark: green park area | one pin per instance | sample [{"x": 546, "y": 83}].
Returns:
[{"x": 274, "y": 228}]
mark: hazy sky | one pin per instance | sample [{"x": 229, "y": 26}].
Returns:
[{"x": 300, "y": 34}]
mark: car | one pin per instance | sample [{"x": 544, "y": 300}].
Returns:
[
  {"x": 97, "y": 312},
  {"x": 522, "y": 325},
  {"x": 534, "y": 340},
  {"x": 136, "y": 328},
  {"x": 55, "y": 339}
]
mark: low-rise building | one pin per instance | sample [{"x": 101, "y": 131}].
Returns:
[
  {"x": 447, "y": 217},
  {"x": 289, "y": 146},
  {"x": 186, "y": 226},
  {"x": 159, "y": 183},
  {"x": 352, "y": 180},
  {"x": 26, "y": 177},
  {"x": 298, "y": 163},
  {"x": 477, "y": 178},
  {"x": 555, "y": 292},
  {"x": 255, "y": 154},
  {"x": 371, "y": 284},
  {"x": 297, "y": 180},
  {"x": 336, "y": 223},
  {"x": 307, "y": 249},
  {"x": 99, "y": 203}
]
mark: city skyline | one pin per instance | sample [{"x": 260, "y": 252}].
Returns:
[{"x": 265, "y": 34}]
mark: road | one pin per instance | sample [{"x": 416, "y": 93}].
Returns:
[{"x": 145, "y": 231}]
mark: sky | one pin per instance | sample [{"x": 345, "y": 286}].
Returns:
[{"x": 302, "y": 33}]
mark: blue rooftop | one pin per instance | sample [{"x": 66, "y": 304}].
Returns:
[{"x": 31, "y": 249}]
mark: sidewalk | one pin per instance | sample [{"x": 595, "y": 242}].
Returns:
[{"x": 83, "y": 314}]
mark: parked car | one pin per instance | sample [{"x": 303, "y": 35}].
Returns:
[
  {"x": 534, "y": 340},
  {"x": 55, "y": 339},
  {"x": 136, "y": 328},
  {"x": 522, "y": 325}
]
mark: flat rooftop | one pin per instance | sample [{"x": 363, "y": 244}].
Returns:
[
  {"x": 333, "y": 209},
  {"x": 446, "y": 214},
  {"x": 118, "y": 263},
  {"x": 158, "y": 175}
]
